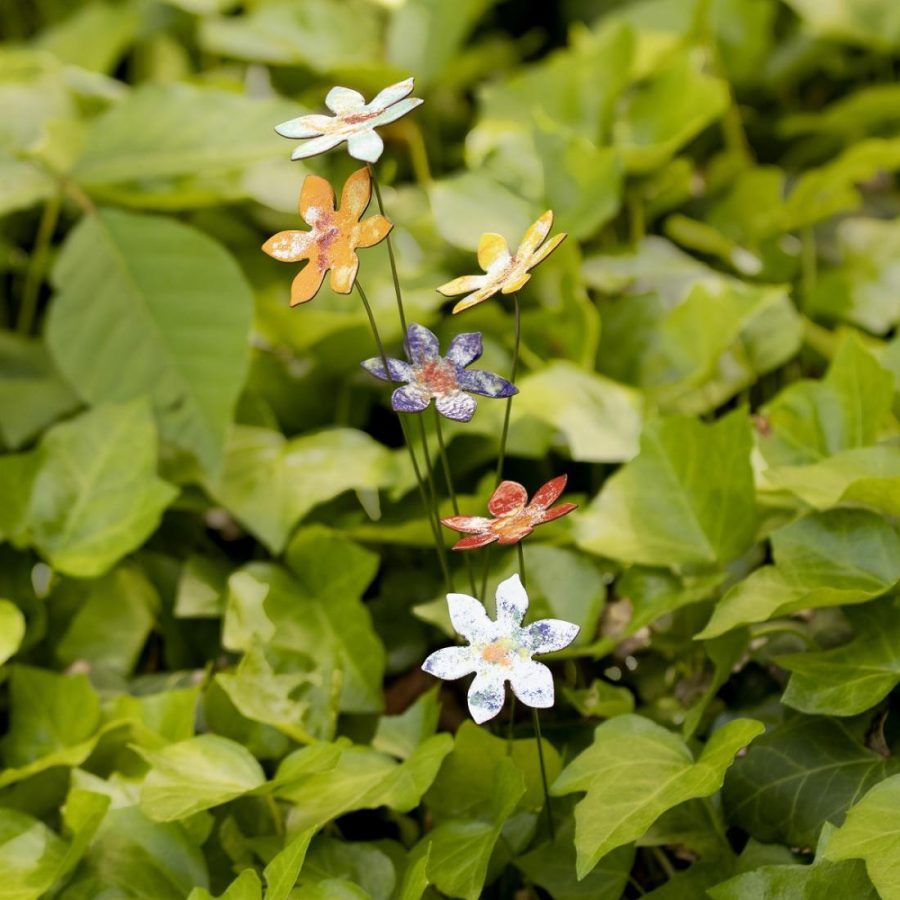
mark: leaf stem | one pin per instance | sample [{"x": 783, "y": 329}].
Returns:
[
  {"x": 37, "y": 264},
  {"x": 445, "y": 461},
  {"x": 390, "y": 247},
  {"x": 540, "y": 749},
  {"x": 429, "y": 508}
]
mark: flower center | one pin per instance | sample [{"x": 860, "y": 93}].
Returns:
[
  {"x": 324, "y": 239},
  {"x": 437, "y": 377},
  {"x": 356, "y": 118},
  {"x": 513, "y": 524},
  {"x": 498, "y": 653}
]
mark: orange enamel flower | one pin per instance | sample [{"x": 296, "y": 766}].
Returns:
[
  {"x": 333, "y": 238},
  {"x": 505, "y": 273},
  {"x": 514, "y": 517}
]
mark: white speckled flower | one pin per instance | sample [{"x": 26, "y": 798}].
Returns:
[
  {"x": 354, "y": 121},
  {"x": 500, "y": 651}
]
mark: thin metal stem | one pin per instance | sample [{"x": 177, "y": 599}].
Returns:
[
  {"x": 432, "y": 491},
  {"x": 501, "y": 458},
  {"x": 540, "y": 747},
  {"x": 445, "y": 461},
  {"x": 390, "y": 247},
  {"x": 435, "y": 529}
]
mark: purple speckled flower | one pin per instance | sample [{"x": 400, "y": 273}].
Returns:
[{"x": 444, "y": 379}]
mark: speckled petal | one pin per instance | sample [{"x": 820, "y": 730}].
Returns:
[
  {"x": 470, "y": 619},
  {"x": 510, "y": 535},
  {"x": 532, "y": 683},
  {"x": 342, "y": 276},
  {"x": 288, "y": 246},
  {"x": 307, "y": 283},
  {"x": 343, "y": 100},
  {"x": 394, "y": 112},
  {"x": 514, "y": 285},
  {"x": 549, "y": 635},
  {"x": 465, "y": 348},
  {"x": 356, "y": 193},
  {"x": 421, "y": 344},
  {"x": 316, "y": 198},
  {"x": 467, "y": 524},
  {"x": 392, "y": 93},
  {"x": 547, "y": 494},
  {"x": 492, "y": 249},
  {"x": 474, "y": 299},
  {"x": 456, "y": 405},
  {"x": 317, "y": 145},
  {"x": 365, "y": 145},
  {"x": 409, "y": 399},
  {"x": 462, "y": 285},
  {"x": 512, "y": 602},
  {"x": 400, "y": 370},
  {"x": 535, "y": 235},
  {"x": 487, "y": 384},
  {"x": 486, "y": 694},
  {"x": 304, "y": 126},
  {"x": 540, "y": 255},
  {"x": 372, "y": 230},
  {"x": 561, "y": 509},
  {"x": 450, "y": 663},
  {"x": 474, "y": 541},
  {"x": 507, "y": 497}
]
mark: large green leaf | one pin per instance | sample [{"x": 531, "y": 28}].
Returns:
[
  {"x": 874, "y": 24},
  {"x": 30, "y": 856},
  {"x": 852, "y": 678},
  {"x": 871, "y": 832},
  {"x": 95, "y": 495},
  {"x": 269, "y": 482},
  {"x": 838, "y": 557},
  {"x": 149, "y": 306},
  {"x": 686, "y": 500},
  {"x": 633, "y": 772},
  {"x": 798, "y": 776},
  {"x": 197, "y": 774}
]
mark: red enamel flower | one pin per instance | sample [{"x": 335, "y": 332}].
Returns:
[{"x": 514, "y": 517}]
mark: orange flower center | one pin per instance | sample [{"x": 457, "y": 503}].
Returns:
[
  {"x": 325, "y": 237},
  {"x": 356, "y": 118},
  {"x": 513, "y": 524},
  {"x": 498, "y": 653},
  {"x": 437, "y": 377}
]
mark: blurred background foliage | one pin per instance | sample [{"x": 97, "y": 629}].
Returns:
[{"x": 217, "y": 582}]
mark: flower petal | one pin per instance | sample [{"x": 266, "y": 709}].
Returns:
[
  {"x": 486, "y": 694},
  {"x": 508, "y": 497},
  {"x": 512, "y": 602},
  {"x": 356, "y": 194},
  {"x": 474, "y": 541},
  {"x": 462, "y": 285},
  {"x": 465, "y": 348},
  {"x": 288, "y": 246},
  {"x": 372, "y": 230},
  {"x": 535, "y": 235},
  {"x": 392, "y": 93},
  {"x": 549, "y": 635},
  {"x": 307, "y": 283},
  {"x": 474, "y": 299},
  {"x": 456, "y": 405},
  {"x": 467, "y": 524},
  {"x": 546, "y": 250},
  {"x": 547, "y": 494},
  {"x": 532, "y": 683},
  {"x": 510, "y": 535},
  {"x": 395, "y": 111},
  {"x": 316, "y": 199},
  {"x": 470, "y": 619},
  {"x": 487, "y": 384},
  {"x": 365, "y": 145},
  {"x": 421, "y": 344},
  {"x": 513, "y": 285},
  {"x": 399, "y": 370},
  {"x": 343, "y": 100},
  {"x": 563, "y": 509},
  {"x": 304, "y": 126},
  {"x": 343, "y": 275},
  {"x": 317, "y": 145},
  {"x": 450, "y": 663},
  {"x": 410, "y": 399},
  {"x": 492, "y": 248}
]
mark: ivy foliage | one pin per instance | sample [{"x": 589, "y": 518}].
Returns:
[{"x": 217, "y": 581}]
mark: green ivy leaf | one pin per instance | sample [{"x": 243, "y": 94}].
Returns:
[
  {"x": 633, "y": 772},
  {"x": 687, "y": 499},
  {"x": 172, "y": 303},
  {"x": 799, "y": 775}
]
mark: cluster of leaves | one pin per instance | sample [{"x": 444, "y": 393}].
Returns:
[{"x": 216, "y": 577}]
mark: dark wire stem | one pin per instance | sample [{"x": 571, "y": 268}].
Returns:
[
  {"x": 537, "y": 733},
  {"x": 501, "y": 458},
  {"x": 390, "y": 247},
  {"x": 432, "y": 491},
  {"x": 435, "y": 528},
  {"x": 445, "y": 461}
]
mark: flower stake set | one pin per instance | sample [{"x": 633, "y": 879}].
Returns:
[{"x": 498, "y": 650}]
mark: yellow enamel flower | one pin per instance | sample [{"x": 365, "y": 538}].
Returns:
[{"x": 505, "y": 273}]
